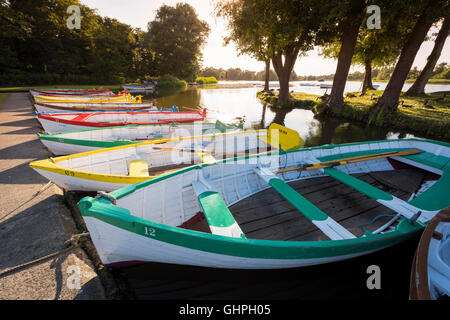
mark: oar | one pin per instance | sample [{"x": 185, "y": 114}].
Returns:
[
  {"x": 279, "y": 136},
  {"x": 338, "y": 162},
  {"x": 204, "y": 151}
]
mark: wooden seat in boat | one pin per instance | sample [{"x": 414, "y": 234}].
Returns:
[
  {"x": 217, "y": 214},
  {"x": 138, "y": 168},
  {"x": 326, "y": 224}
]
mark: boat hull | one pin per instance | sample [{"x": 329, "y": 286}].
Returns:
[
  {"x": 124, "y": 229},
  {"x": 82, "y": 99},
  {"x": 431, "y": 266},
  {"x": 48, "y": 108},
  {"x": 131, "y": 247},
  {"x": 59, "y": 122},
  {"x": 65, "y": 93},
  {"x": 96, "y": 170},
  {"x": 93, "y": 139}
]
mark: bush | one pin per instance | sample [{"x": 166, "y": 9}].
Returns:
[
  {"x": 443, "y": 75},
  {"x": 167, "y": 81},
  {"x": 205, "y": 80}
]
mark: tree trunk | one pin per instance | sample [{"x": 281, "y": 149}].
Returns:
[
  {"x": 266, "y": 79},
  {"x": 284, "y": 71},
  {"x": 419, "y": 85},
  {"x": 280, "y": 115},
  {"x": 367, "y": 84},
  {"x": 263, "y": 116},
  {"x": 388, "y": 101},
  {"x": 348, "y": 42}
]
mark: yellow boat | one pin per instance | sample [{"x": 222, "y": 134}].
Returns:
[
  {"x": 92, "y": 99},
  {"x": 113, "y": 168}
]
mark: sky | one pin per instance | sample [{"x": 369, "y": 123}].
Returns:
[{"x": 138, "y": 13}]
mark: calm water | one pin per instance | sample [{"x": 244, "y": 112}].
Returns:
[{"x": 226, "y": 104}]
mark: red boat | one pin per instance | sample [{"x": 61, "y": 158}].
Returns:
[{"x": 59, "y": 122}]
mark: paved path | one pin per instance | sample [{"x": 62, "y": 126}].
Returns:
[{"x": 33, "y": 227}]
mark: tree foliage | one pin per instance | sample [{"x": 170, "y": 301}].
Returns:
[
  {"x": 276, "y": 29},
  {"x": 37, "y": 47},
  {"x": 176, "y": 36}
]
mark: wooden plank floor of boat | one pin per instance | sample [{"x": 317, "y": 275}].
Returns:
[{"x": 268, "y": 216}]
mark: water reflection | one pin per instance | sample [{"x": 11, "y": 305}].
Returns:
[
  {"x": 226, "y": 104},
  {"x": 185, "y": 97}
]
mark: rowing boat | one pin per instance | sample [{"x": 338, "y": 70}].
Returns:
[
  {"x": 85, "y": 99},
  {"x": 69, "y": 142},
  {"x": 77, "y": 107},
  {"x": 142, "y": 88},
  {"x": 242, "y": 213},
  {"x": 430, "y": 274},
  {"x": 112, "y": 168},
  {"x": 58, "y": 122},
  {"x": 71, "y": 92}
]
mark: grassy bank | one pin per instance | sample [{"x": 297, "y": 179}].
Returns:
[
  {"x": 299, "y": 100},
  {"x": 431, "y": 81},
  {"x": 3, "y": 97},
  {"x": 433, "y": 123}
]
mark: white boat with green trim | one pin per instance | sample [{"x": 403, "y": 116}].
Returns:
[
  {"x": 70, "y": 142},
  {"x": 279, "y": 210},
  {"x": 109, "y": 169},
  {"x": 86, "y": 107}
]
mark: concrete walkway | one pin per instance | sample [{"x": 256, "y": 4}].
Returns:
[{"x": 33, "y": 226}]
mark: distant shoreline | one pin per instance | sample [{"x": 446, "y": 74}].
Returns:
[{"x": 221, "y": 84}]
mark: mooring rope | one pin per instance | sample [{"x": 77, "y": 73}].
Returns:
[
  {"x": 72, "y": 243},
  {"x": 103, "y": 194}
]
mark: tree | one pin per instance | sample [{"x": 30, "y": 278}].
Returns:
[
  {"x": 114, "y": 44},
  {"x": 176, "y": 36},
  {"x": 245, "y": 32},
  {"x": 441, "y": 67},
  {"x": 42, "y": 49},
  {"x": 349, "y": 21},
  {"x": 376, "y": 47},
  {"x": 419, "y": 85},
  {"x": 143, "y": 63},
  {"x": 280, "y": 30},
  {"x": 413, "y": 73},
  {"x": 430, "y": 12},
  {"x": 10, "y": 32}
]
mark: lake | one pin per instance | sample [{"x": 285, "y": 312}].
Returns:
[{"x": 227, "y": 103}]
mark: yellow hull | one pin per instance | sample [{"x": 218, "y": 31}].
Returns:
[
  {"x": 124, "y": 98},
  {"x": 51, "y": 165}
]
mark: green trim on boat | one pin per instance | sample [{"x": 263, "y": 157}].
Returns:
[
  {"x": 119, "y": 193},
  {"x": 215, "y": 209},
  {"x": 437, "y": 196},
  {"x": 222, "y": 127},
  {"x": 88, "y": 143},
  {"x": 429, "y": 159},
  {"x": 308, "y": 209},
  {"x": 103, "y": 210},
  {"x": 59, "y": 136},
  {"x": 359, "y": 185}
]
